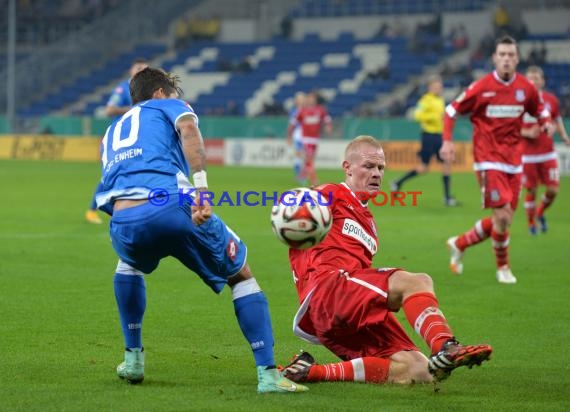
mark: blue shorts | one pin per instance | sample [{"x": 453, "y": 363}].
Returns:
[
  {"x": 142, "y": 235},
  {"x": 431, "y": 143}
]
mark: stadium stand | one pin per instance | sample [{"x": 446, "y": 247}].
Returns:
[{"x": 349, "y": 69}]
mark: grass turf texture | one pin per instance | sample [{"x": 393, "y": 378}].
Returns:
[{"x": 60, "y": 337}]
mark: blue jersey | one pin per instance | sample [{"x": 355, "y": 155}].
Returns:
[
  {"x": 142, "y": 152},
  {"x": 121, "y": 96}
]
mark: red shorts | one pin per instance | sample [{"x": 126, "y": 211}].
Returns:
[
  {"x": 546, "y": 173},
  {"x": 499, "y": 188},
  {"x": 310, "y": 151},
  {"x": 348, "y": 314}
]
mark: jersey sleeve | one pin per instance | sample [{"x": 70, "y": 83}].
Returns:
[
  {"x": 535, "y": 106},
  {"x": 174, "y": 109},
  {"x": 465, "y": 102}
]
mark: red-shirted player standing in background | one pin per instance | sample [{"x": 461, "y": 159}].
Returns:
[
  {"x": 540, "y": 164},
  {"x": 497, "y": 103},
  {"x": 347, "y": 306},
  {"x": 313, "y": 118}
]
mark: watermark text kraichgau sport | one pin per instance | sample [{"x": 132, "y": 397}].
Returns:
[{"x": 160, "y": 197}]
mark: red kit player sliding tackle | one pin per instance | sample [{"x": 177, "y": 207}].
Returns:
[{"x": 348, "y": 306}]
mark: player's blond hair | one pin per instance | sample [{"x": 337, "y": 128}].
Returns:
[{"x": 359, "y": 141}]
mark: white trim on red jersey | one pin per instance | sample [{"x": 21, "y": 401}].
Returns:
[
  {"x": 502, "y": 167},
  {"x": 539, "y": 158},
  {"x": 297, "y": 319}
]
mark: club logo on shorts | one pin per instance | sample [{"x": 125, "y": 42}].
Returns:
[
  {"x": 231, "y": 250},
  {"x": 519, "y": 95},
  {"x": 495, "y": 197}
]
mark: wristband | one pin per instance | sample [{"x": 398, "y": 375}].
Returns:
[{"x": 200, "y": 179}]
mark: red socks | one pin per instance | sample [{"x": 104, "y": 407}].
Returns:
[
  {"x": 368, "y": 369},
  {"x": 480, "y": 232},
  {"x": 422, "y": 311},
  {"x": 501, "y": 248},
  {"x": 547, "y": 200}
]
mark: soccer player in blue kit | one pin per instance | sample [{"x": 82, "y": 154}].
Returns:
[
  {"x": 145, "y": 162},
  {"x": 118, "y": 104}
]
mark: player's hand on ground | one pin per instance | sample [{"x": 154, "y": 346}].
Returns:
[{"x": 447, "y": 151}]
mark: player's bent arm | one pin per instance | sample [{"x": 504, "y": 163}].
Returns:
[
  {"x": 192, "y": 142},
  {"x": 447, "y": 151},
  {"x": 195, "y": 153}
]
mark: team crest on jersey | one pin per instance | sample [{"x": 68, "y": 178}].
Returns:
[{"x": 519, "y": 95}]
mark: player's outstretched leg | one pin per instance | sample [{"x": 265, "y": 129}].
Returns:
[
  {"x": 453, "y": 355},
  {"x": 132, "y": 368},
  {"x": 252, "y": 314}
]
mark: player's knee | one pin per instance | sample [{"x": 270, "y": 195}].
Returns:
[
  {"x": 502, "y": 218},
  {"x": 552, "y": 190},
  {"x": 423, "y": 281}
]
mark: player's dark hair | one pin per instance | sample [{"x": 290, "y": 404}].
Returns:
[
  {"x": 506, "y": 39},
  {"x": 147, "y": 81}
]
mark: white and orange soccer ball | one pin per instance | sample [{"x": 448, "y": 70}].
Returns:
[{"x": 302, "y": 218}]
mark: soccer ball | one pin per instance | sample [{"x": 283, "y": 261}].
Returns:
[{"x": 302, "y": 218}]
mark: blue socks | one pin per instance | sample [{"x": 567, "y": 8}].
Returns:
[
  {"x": 130, "y": 293},
  {"x": 252, "y": 314}
]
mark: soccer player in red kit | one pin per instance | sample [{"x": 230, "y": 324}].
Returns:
[
  {"x": 347, "y": 306},
  {"x": 540, "y": 164},
  {"x": 497, "y": 103},
  {"x": 313, "y": 118}
]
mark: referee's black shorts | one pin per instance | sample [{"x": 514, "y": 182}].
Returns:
[{"x": 431, "y": 143}]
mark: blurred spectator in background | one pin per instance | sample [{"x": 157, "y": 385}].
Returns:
[
  {"x": 181, "y": 33},
  {"x": 501, "y": 20},
  {"x": 457, "y": 38},
  {"x": 286, "y": 27},
  {"x": 204, "y": 29},
  {"x": 537, "y": 55}
]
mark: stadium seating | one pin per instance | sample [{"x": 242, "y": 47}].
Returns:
[{"x": 331, "y": 8}]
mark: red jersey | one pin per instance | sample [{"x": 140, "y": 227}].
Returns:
[
  {"x": 543, "y": 145},
  {"x": 497, "y": 108},
  {"x": 311, "y": 119},
  {"x": 351, "y": 243}
]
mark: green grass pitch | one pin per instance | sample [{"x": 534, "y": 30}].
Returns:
[{"x": 60, "y": 339}]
